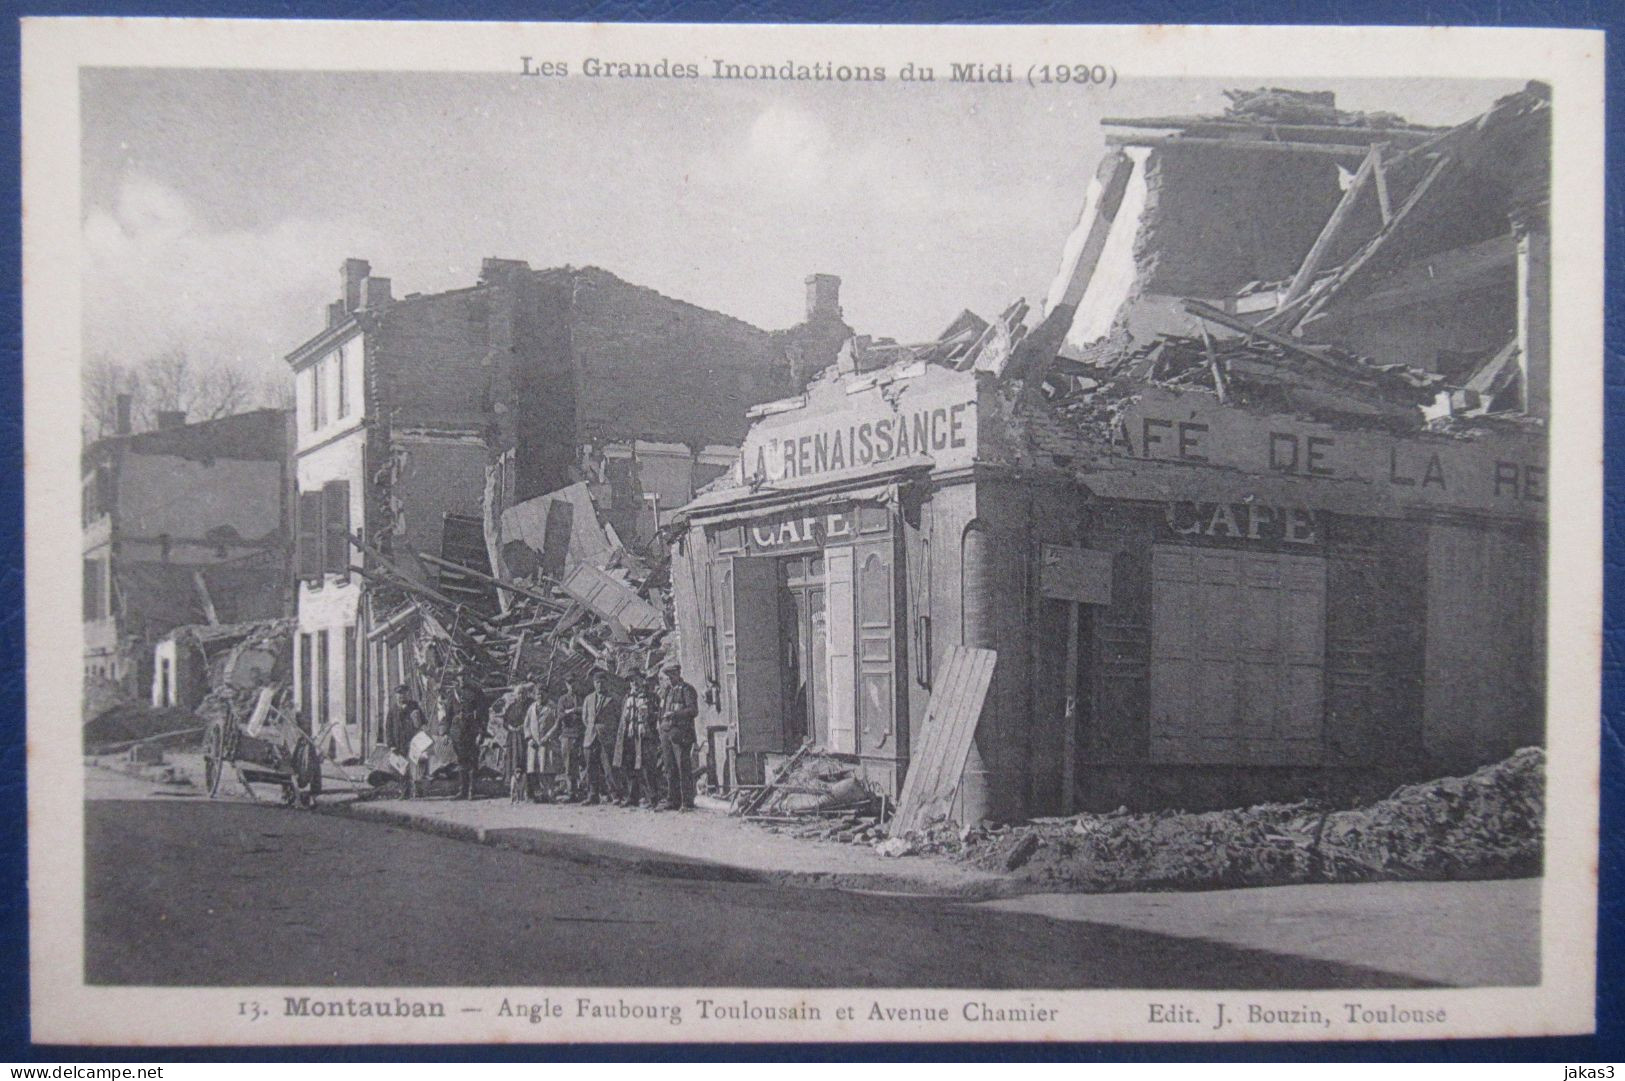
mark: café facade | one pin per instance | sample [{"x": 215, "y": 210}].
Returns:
[{"x": 1193, "y": 604}]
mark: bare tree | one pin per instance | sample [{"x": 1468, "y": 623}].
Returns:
[
  {"x": 276, "y": 391},
  {"x": 103, "y": 381},
  {"x": 172, "y": 381}
]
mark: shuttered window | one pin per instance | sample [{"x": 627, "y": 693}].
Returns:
[
  {"x": 1238, "y": 648},
  {"x": 336, "y": 527},
  {"x": 309, "y": 556},
  {"x": 95, "y": 589},
  {"x": 324, "y": 531}
]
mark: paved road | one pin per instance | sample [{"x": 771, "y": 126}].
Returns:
[{"x": 184, "y": 891}]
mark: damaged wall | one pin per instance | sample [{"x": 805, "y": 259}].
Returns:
[
  {"x": 193, "y": 503},
  {"x": 1218, "y": 218},
  {"x": 639, "y": 357},
  {"x": 432, "y": 359}
]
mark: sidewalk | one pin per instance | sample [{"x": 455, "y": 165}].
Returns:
[{"x": 693, "y": 845}]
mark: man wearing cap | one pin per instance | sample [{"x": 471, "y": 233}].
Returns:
[
  {"x": 601, "y": 718},
  {"x": 468, "y": 709},
  {"x": 679, "y": 705}
]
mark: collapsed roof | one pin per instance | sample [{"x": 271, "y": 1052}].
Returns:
[{"x": 1233, "y": 279}]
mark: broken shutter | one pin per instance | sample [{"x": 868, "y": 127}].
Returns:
[
  {"x": 336, "y": 527},
  {"x": 753, "y": 649},
  {"x": 310, "y": 535}
]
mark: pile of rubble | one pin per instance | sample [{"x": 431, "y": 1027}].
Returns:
[
  {"x": 563, "y": 598},
  {"x": 1274, "y": 105},
  {"x": 1258, "y": 369},
  {"x": 261, "y": 654},
  {"x": 815, "y": 794},
  {"x": 1488, "y": 824}
]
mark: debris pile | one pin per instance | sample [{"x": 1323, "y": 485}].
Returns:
[
  {"x": 1258, "y": 368},
  {"x": 254, "y": 655},
  {"x": 813, "y": 785},
  {"x": 1274, "y": 105},
  {"x": 969, "y": 342},
  {"x": 1486, "y": 825},
  {"x": 564, "y": 597}
]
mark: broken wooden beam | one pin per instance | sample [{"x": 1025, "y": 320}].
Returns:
[
  {"x": 1328, "y": 232},
  {"x": 1375, "y": 245},
  {"x": 1331, "y": 150},
  {"x": 517, "y": 590},
  {"x": 1216, "y": 124}
]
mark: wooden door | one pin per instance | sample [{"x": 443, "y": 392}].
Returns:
[
  {"x": 842, "y": 649},
  {"x": 750, "y": 652},
  {"x": 877, "y": 691}
]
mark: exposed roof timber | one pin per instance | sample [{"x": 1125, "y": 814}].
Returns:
[
  {"x": 1353, "y": 266},
  {"x": 1328, "y": 233},
  {"x": 1448, "y": 273},
  {"x": 1194, "y": 123},
  {"x": 1333, "y": 150},
  {"x": 1380, "y": 175}
]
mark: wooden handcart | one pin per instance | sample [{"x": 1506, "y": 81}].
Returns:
[{"x": 269, "y": 747}]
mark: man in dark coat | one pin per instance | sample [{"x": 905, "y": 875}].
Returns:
[
  {"x": 571, "y": 735},
  {"x": 637, "y": 746},
  {"x": 404, "y": 721},
  {"x": 469, "y": 709},
  {"x": 679, "y": 705},
  {"x": 600, "y": 717}
]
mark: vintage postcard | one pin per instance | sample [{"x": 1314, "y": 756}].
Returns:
[{"x": 763, "y": 533}]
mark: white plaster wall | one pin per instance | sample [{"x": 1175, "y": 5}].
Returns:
[{"x": 353, "y": 351}]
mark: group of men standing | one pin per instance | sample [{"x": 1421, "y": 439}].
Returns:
[{"x": 591, "y": 748}]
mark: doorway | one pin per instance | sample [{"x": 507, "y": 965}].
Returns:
[{"x": 804, "y": 647}]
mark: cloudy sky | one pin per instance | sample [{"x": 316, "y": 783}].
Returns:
[{"x": 217, "y": 206}]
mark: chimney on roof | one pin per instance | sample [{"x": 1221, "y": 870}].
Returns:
[
  {"x": 355, "y": 272},
  {"x": 121, "y": 419},
  {"x": 375, "y": 293},
  {"x": 170, "y": 419},
  {"x": 823, "y": 297}
]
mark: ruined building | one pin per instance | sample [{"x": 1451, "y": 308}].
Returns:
[
  {"x": 187, "y": 524},
  {"x": 421, "y": 418},
  {"x": 1252, "y": 507}
]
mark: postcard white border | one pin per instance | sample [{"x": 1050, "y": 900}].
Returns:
[{"x": 53, "y": 50}]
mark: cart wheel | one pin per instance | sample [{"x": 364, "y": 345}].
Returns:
[
  {"x": 213, "y": 752},
  {"x": 306, "y": 776}
]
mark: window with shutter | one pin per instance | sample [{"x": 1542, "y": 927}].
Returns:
[
  {"x": 310, "y": 536},
  {"x": 336, "y": 527}
]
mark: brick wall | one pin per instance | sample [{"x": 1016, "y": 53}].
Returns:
[
  {"x": 1218, "y": 218},
  {"x": 434, "y": 357},
  {"x": 651, "y": 367}
]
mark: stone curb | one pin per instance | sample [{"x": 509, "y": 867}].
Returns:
[{"x": 539, "y": 843}]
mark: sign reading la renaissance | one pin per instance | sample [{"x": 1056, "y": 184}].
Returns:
[{"x": 868, "y": 431}]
